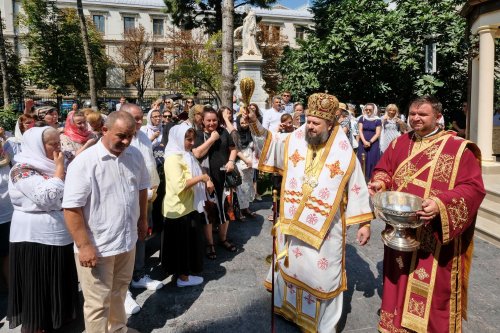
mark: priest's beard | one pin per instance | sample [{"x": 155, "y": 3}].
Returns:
[{"x": 317, "y": 139}]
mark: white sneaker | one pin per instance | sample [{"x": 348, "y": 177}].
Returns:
[
  {"x": 192, "y": 281},
  {"x": 147, "y": 283},
  {"x": 131, "y": 306}
]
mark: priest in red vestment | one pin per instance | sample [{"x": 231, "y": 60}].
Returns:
[{"x": 426, "y": 290}]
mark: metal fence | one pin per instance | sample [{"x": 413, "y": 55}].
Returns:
[{"x": 105, "y": 104}]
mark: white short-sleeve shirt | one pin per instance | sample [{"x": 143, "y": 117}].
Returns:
[
  {"x": 272, "y": 119},
  {"x": 107, "y": 188}
]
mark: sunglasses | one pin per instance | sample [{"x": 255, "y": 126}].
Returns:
[
  {"x": 167, "y": 116},
  {"x": 190, "y": 102}
]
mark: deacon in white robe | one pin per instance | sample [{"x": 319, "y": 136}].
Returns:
[{"x": 322, "y": 193}]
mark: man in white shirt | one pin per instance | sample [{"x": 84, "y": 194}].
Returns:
[
  {"x": 286, "y": 98},
  {"x": 271, "y": 119},
  {"x": 123, "y": 100},
  {"x": 141, "y": 141},
  {"x": 105, "y": 202}
]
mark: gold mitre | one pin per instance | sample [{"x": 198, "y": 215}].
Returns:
[
  {"x": 322, "y": 106},
  {"x": 247, "y": 85}
]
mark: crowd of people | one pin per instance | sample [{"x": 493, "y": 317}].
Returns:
[{"x": 189, "y": 171}]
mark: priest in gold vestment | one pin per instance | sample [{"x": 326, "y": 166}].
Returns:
[
  {"x": 323, "y": 192},
  {"x": 426, "y": 290}
]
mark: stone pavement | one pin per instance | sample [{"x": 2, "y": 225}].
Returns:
[{"x": 232, "y": 299}]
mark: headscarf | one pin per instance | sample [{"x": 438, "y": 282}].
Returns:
[
  {"x": 175, "y": 146},
  {"x": 74, "y": 133},
  {"x": 41, "y": 112},
  {"x": 33, "y": 152},
  {"x": 245, "y": 134},
  {"x": 374, "y": 115},
  {"x": 18, "y": 136},
  {"x": 152, "y": 128}
]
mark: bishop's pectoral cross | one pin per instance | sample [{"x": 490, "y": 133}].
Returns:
[{"x": 309, "y": 181}]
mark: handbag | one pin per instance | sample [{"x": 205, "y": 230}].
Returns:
[
  {"x": 233, "y": 178},
  {"x": 212, "y": 209},
  {"x": 232, "y": 206}
]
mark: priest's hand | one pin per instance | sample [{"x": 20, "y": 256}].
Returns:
[
  {"x": 374, "y": 187},
  {"x": 430, "y": 210},
  {"x": 363, "y": 235},
  {"x": 249, "y": 115}
]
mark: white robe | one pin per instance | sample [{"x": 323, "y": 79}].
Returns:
[{"x": 315, "y": 211}]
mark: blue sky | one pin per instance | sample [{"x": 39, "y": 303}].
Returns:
[{"x": 293, "y": 3}]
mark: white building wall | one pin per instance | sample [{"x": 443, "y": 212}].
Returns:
[{"x": 144, "y": 11}]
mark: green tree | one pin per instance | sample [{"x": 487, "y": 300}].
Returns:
[
  {"x": 271, "y": 46},
  {"x": 190, "y": 14},
  {"x": 361, "y": 51},
  {"x": 137, "y": 58},
  {"x": 15, "y": 77},
  {"x": 57, "y": 59},
  {"x": 196, "y": 63},
  {"x": 438, "y": 21},
  {"x": 3, "y": 66},
  {"x": 348, "y": 54},
  {"x": 88, "y": 54}
]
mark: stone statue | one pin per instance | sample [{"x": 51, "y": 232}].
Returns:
[{"x": 249, "y": 34}]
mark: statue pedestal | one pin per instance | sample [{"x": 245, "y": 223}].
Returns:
[{"x": 251, "y": 66}]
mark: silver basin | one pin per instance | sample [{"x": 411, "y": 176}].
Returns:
[{"x": 399, "y": 210}]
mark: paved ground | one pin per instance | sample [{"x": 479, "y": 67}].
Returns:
[{"x": 232, "y": 298}]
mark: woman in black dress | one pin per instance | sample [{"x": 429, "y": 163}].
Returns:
[{"x": 216, "y": 151}]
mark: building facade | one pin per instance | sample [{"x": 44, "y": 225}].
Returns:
[{"x": 114, "y": 17}]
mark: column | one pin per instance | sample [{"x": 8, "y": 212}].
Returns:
[
  {"x": 473, "y": 107},
  {"x": 485, "y": 92}
]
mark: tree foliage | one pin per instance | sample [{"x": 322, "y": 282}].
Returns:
[
  {"x": 16, "y": 82},
  {"x": 137, "y": 57},
  {"x": 196, "y": 63},
  {"x": 362, "y": 51},
  {"x": 57, "y": 59},
  {"x": 271, "y": 46},
  {"x": 207, "y": 14}
]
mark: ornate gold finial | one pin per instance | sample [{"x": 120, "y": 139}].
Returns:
[{"x": 247, "y": 86}]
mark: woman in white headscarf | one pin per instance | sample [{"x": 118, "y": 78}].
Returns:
[
  {"x": 153, "y": 128},
  {"x": 369, "y": 126},
  {"x": 43, "y": 290},
  {"x": 13, "y": 145},
  {"x": 183, "y": 207}
]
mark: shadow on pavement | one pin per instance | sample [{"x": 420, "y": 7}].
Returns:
[{"x": 359, "y": 278}]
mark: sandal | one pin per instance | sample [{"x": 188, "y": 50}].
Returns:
[
  {"x": 249, "y": 213},
  {"x": 226, "y": 244},
  {"x": 211, "y": 252}
]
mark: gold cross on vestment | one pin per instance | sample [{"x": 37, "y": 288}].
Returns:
[{"x": 406, "y": 180}]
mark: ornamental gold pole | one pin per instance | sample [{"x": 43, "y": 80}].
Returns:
[
  {"x": 275, "y": 216},
  {"x": 363, "y": 163}
]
